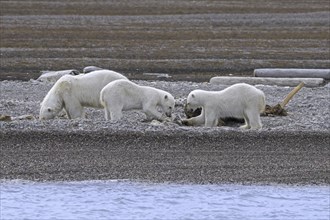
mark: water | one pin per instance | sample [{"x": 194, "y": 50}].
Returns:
[{"x": 139, "y": 200}]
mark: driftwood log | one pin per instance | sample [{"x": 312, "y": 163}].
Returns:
[
  {"x": 22, "y": 117},
  {"x": 229, "y": 80},
  {"x": 279, "y": 108},
  {"x": 292, "y": 73}
]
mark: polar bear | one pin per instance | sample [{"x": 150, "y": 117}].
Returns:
[
  {"x": 239, "y": 101},
  {"x": 75, "y": 92},
  {"x": 122, "y": 95}
]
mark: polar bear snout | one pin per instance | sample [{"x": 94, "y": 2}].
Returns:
[
  {"x": 168, "y": 105},
  {"x": 190, "y": 108},
  {"x": 168, "y": 111},
  {"x": 168, "y": 114},
  {"x": 47, "y": 113}
]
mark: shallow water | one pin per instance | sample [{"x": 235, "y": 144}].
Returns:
[{"x": 140, "y": 200}]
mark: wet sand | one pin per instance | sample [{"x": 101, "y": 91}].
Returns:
[{"x": 194, "y": 157}]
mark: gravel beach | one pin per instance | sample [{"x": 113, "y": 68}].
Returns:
[{"x": 291, "y": 149}]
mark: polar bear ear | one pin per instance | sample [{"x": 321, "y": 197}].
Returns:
[{"x": 166, "y": 97}]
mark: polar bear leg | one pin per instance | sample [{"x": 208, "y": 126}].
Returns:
[
  {"x": 211, "y": 119},
  {"x": 107, "y": 114},
  {"x": 253, "y": 117},
  {"x": 246, "y": 126},
  {"x": 116, "y": 113},
  {"x": 73, "y": 108},
  {"x": 75, "y": 112},
  {"x": 152, "y": 113},
  {"x": 247, "y": 122},
  {"x": 112, "y": 110},
  {"x": 255, "y": 122}
]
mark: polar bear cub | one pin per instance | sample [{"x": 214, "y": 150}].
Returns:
[
  {"x": 122, "y": 95},
  {"x": 239, "y": 101},
  {"x": 75, "y": 92}
]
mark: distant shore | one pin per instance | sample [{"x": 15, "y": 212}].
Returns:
[{"x": 190, "y": 41}]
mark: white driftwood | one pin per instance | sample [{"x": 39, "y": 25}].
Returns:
[
  {"x": 291, "y": 94},
  {"x": 292, "y": 73},
  {"x": 157, "y": 75},
  {"x": 89, "y": 69},
  {"x": 53, "y": 76},
  {"x": 309, "y": 82}
]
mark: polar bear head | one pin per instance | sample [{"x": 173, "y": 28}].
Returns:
[
  {"x": 167, "y": 104},
  {"x": 47, "y": 113},
  {"x": 50, "y": 107},
  {"x": 53, "y": 101},
  {"x": 193, "y": 101}
]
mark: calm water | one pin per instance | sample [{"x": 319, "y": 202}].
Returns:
[{"x": 138, "y": 200}]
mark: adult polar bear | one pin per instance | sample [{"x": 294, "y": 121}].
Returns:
[
  {"x": 122, "y": 95},
  {"x": 75, "y": 92},
  {"x": 239, "y": 101}
]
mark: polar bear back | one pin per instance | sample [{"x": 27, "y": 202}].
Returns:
[
  {"x": 230, "y": 102},
  {"x": 130, "y": 95},
  {"x": 87, "y": 87}
]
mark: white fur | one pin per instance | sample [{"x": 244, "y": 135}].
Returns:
[
  {"x": 239, "y": 101},
  {"x": 122, "y": 95},
  {"x": 75, "y": 92}
]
